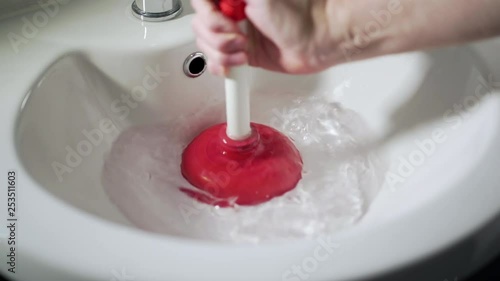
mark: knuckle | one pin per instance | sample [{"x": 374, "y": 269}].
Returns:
[
  {"x": 213, "y": 26},
  {"x": 221, "y": 44}
]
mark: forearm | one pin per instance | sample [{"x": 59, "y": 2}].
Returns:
[{"x": 362, "y": 29}]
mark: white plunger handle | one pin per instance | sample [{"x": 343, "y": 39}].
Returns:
[
  {"x": 238, "y": 101},
  {"x": 237, "y": 104}
]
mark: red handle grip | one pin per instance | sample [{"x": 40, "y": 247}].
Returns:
[{"x": 233, "y": 9}]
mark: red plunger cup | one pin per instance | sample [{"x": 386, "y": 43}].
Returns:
[{"x": 239, "y": 162}]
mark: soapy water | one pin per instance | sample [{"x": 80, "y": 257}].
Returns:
[{"x": 340, "y": 177}]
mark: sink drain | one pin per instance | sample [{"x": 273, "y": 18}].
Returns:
[{"x": 195, "y": 64}]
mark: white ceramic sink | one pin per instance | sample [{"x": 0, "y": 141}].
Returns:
[{"x": 79, "y": 82}]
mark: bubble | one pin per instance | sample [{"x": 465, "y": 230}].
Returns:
[{"x": 142, "y": 177}]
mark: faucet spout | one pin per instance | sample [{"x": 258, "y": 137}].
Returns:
[{"x": 156, "y": 10}]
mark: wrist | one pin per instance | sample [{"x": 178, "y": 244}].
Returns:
[{"x": 331, "y": 19}]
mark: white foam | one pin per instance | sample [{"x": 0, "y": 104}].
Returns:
[{"x": 340, "y": 178}]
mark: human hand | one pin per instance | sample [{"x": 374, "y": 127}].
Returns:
[{"x": 290, "y": 36}]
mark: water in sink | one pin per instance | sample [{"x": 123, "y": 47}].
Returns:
[{"x": 340, "y": 178}]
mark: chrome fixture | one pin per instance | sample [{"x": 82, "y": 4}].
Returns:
[
  {"x": 195, "y": 64},
  {"x": 156, "y": 10}
]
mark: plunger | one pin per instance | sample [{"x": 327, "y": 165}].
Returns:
[{"x": 239, "y": 162}]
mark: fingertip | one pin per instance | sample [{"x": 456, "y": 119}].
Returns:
[
  {"x": 225, "y": 71},
  {"x": 215, "y": 69},
  {"x": 236, "y": 59}
]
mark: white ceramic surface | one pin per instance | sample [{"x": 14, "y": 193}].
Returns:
[{"x": 77, "y": 72}]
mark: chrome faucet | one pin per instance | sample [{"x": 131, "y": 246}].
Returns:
[{"x": 156, "y": 10}]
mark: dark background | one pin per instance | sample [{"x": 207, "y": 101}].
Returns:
[{"x": 490, "y": 273}]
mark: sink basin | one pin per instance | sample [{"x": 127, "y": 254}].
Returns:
[{"x": 434, "y": 116}]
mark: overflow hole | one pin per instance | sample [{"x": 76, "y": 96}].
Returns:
[{"x": 195, "y": 64}]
